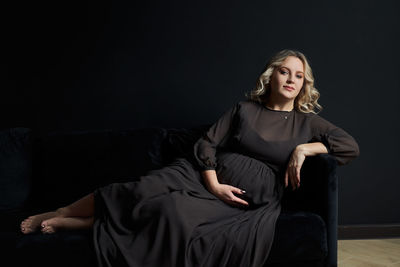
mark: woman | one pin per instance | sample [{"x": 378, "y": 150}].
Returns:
[{"x": 213, "y": 210}]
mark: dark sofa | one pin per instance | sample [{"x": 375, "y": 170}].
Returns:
[{"x": 43, "y": 172}]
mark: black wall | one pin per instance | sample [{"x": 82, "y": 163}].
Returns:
[{"x": 114, "y": 65}]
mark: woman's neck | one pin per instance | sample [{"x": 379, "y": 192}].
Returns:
[{"x": 281, "y": 106}]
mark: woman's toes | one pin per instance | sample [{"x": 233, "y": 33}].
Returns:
[
  {"x": 26, "y": 222},
  {"x": 44, "y": 227},
  {"x": 24, "y": 227},
  {"x": 47, "y": 229}
]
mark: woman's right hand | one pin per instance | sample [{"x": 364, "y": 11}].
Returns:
[{"x": 226, "y": 192}]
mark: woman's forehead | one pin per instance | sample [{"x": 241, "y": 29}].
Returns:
[{"x": 293, "y": 64}]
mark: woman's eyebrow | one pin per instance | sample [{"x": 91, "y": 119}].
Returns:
[{"x": 290, "y": 69}]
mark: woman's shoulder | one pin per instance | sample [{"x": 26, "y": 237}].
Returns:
[
  {"x": 248, "y": 108},
  {"x": 317, "y": 121}
]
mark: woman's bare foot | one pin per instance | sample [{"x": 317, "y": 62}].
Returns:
[
  {"x": 55, "y": 224},
  {"x": 32, "y": 223}
]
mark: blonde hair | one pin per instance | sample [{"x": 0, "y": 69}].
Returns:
[{"x": 307, "y": 99}]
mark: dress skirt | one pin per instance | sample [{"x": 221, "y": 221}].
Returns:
[{"x": 168, "y": 217}]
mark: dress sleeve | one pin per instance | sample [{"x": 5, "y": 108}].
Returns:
[
  {"x": 338, "y": 142},
  {"x": 216, "y": 136}
]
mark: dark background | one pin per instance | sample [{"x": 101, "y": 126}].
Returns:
[{"x": 84, "y": 65}]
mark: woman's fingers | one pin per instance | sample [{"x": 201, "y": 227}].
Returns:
[
  {"x": 298, "y": 176},
  {"x": 293, "y": 182},
  {"x": 237, "y": 190},
  {"x": 286, "y": 178},
  {"x": 293, "y": 169},
  {"x": 293, "y": 177},
  {"x": 236, "y": 199}
]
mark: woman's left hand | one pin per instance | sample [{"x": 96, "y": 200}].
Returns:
[{"x": 292, "y": 173}]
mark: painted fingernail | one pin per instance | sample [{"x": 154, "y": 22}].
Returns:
[{"x": 243, "y": 191}]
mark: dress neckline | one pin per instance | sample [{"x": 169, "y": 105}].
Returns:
[{"x": 280, "y": 111}]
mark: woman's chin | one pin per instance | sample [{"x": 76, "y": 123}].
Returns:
[{"x": 288, "y": 96}]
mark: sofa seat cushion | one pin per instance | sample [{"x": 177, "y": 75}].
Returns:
[
  {"x": 15, "y": 168},
  {"x": 59, "y": 249},
  {"x": 299, "y": 236}
]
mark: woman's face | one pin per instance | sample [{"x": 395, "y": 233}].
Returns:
[{"x": 287, "y": 80}]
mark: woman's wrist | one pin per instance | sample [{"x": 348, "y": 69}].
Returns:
[
  {"x": 212, "y": 186},
  {"x": 210, "y": 179},
  {"x": 311, "y": 149}
]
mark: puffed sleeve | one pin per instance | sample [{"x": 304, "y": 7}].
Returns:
[
  {"x": 338, "y": 142},
  {"x": 217, "y": 135}
]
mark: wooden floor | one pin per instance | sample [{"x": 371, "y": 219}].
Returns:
[{"x": 369, "y": 252}]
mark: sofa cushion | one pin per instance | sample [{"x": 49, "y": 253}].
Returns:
[
  {"x": 299, "y": 237},
  {"x": 15, "y": 168},
  {"x": 69, "y": 165},
  {"x": 179, "y": 142},
  {"x": 65, "y": 248}
]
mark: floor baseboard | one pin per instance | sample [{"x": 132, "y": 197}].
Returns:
[{"x": 369, "y": 231}]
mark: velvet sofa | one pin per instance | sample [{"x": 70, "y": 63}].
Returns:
[{"x": 40, "y": 172}]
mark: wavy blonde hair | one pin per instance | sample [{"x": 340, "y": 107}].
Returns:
[{"x": 307, "y": 99}]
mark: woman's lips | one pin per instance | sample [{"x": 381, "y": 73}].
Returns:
[{"x": 289, "y": 88}]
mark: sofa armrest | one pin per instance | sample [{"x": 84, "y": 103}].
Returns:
[{"x": 318, "y": 194}]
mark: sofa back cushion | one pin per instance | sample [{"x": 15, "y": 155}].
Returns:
[
  {"x": 15, "y": 168},
  {"x": 69, "y": 165},
  {"x": 179, "y": 142}
]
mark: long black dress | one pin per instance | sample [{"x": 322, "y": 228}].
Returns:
[{"x": 168, "y": 218}]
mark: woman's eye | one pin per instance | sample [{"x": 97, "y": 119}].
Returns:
[
  {"x": 299, "y": 76},
  {"x": 282, "y": 71}
]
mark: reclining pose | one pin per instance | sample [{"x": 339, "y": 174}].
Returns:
[{"x": 220, "y": 208}]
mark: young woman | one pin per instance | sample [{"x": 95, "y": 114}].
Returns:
[{"x": 220, "y": 208}]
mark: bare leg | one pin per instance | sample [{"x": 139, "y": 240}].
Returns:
[
  {"x": 83, "y": 207},
  {"x": 66, "y": 223}
]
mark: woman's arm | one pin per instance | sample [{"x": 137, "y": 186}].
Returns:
[
  {"x": 205, "y": 148},
  {"x": 210, "y": 179},
  {"x": 326, "y": 138},
  {"x": 339, "y": 143},
  {"x": 205, "y": 154},
  {"x": 311, "y": 149},
  {"x": 297, "y": 159},
  {"x": 223, "y": 191}
]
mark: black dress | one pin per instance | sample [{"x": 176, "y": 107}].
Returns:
[{"x": 169, "y": 218}]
